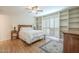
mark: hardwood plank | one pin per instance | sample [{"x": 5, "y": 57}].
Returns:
[{"x": 18, "y": 46}]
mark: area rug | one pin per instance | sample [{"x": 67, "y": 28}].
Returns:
[{"x": 53, "y": 46}]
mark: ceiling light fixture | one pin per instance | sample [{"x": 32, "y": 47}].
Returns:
[{"x": 34, "y": 9}]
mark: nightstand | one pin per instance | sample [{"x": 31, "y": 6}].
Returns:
[{"x": 14, "y": 34}]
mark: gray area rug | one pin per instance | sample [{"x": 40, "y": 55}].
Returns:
[{"x": 53, "y": 46}]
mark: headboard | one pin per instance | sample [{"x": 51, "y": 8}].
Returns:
[{"x": 20, "y": 26}]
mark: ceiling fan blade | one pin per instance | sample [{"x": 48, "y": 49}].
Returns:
[
  {"x": 40, "y": 10},
  {"x": 34, "y": 9},
  {"x": 27, "y": 8}
]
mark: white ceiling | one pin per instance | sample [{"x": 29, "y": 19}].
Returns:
[
  {"x": 20, "y": 10},
  {"x": 50, "y": 9}
]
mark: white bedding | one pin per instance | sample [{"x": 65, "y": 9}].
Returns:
[{"x": 31, "y": 35}]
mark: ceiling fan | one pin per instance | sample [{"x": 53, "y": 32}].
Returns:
[{"x": 34, "y": 9}]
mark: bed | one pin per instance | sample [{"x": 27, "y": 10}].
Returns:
[{"x": 29, "y": 35}]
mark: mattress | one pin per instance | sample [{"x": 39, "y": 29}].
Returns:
[{"x": 31, "y": 35}]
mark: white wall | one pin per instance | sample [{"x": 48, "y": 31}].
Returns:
[
  {"x": 8, "y": 20},
  {"x": 5, "y": 27},
  {"x": 22, "y": 20}
]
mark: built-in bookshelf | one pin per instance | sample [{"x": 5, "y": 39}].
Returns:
[
  {"x": 63, "y": 22},
  {"x": 69, "y": 20},
  {"x": 74, "y": 19}
]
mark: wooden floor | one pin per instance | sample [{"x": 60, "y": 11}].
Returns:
[{"x": 19, "y": 46}]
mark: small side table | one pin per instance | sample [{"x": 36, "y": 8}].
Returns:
[{"x": 14, "y": 34}]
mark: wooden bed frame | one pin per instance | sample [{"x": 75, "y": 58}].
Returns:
[{"x": 20, "y": 26}]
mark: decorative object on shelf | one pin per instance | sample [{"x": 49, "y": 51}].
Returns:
[{"x": 34, "y": 9}]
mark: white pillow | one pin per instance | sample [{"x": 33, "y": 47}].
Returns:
[{"x": 27, "y": 28}]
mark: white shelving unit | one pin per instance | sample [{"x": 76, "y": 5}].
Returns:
[
  {"x": 58, "y": 22},
  {"x": 74, "y": 19},
  {"x": 63, "y": 22}
]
